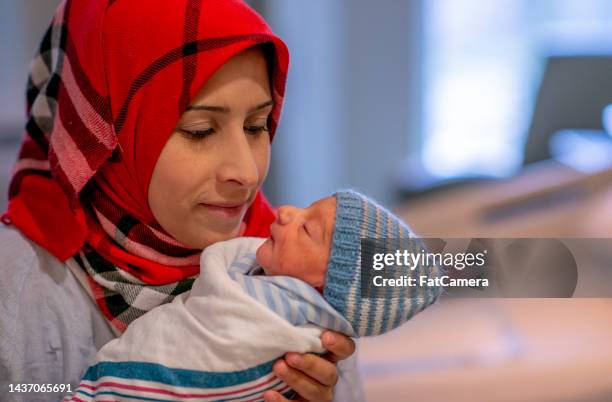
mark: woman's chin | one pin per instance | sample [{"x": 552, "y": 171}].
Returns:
[
  {"x": 200, "y": 237},
  {"x": 223, "y": 235}
]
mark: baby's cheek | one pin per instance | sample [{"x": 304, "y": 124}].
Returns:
[
  {"x": 318, "y": 271},
  {"x": 308, "y": 271}
]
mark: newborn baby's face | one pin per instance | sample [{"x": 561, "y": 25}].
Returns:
[{"x": 301, "y": 242}]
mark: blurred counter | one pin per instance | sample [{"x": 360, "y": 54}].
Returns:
[
  {"x": 527, "y": 350},
  {"x": 547, "y": 199},
  {"x": 519, "y": 350}
]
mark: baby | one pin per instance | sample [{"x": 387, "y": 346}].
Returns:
[{"x": 257, "y": 299}]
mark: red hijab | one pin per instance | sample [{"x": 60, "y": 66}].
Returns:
[{"x": 110, "y": 81}]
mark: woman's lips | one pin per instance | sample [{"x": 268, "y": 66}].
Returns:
[{"x": 225, "y": 210}]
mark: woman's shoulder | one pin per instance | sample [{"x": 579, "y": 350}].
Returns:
[
  {"x": 23, "y": 265},
  {"x": 17, "y": 260},
  {"x": 46, "y": 319},
  {"x": 31, "y": 277},
  {"x": 15, "y": 249}
]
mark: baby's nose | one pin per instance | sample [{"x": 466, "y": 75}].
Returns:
[{"x": 286, "y": 214}]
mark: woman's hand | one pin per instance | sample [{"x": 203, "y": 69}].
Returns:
[{"x": 313, "y": 377}]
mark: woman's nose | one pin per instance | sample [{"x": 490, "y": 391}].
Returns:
[
  {"x": 239, "y": 162},
  {"x": 286, "y": 214}
]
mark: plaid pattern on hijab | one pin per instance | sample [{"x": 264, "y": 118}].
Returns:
[{"x": 108, "y": 84}]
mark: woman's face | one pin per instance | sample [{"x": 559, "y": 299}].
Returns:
[{"x": 209, "y": 171}]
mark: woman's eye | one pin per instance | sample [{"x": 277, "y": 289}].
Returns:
[
  {"x": 255, "y": 129},
  {"x": 197, "y": 134}
]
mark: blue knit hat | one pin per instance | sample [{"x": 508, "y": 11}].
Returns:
[{"x": 363, "y": 228}]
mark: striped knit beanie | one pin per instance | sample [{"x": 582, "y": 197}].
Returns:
[{"x": 362, "y": 229}]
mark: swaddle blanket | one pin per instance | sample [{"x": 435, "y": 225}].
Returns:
[{"x": 217, "y": 341}]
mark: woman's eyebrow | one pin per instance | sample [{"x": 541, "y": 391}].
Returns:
[
  {"x": 209, "y": 108},
  {"x": 261, "y": 106},
  {"x": 225, "y": 109}
]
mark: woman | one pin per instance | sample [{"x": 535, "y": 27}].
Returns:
[{"x": 148, "y": 139}]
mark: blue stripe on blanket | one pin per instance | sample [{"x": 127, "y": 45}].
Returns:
[
  {"x": 175, "y": 376},
  {"x": 291, "y": 298}
]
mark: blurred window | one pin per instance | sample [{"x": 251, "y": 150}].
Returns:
[{"x": 483, "y": 61}]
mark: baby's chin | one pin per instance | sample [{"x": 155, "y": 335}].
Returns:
[{"x": 264, "y": 255}]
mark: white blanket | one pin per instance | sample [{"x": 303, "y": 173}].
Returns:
[{"x": 217, "y": 341}]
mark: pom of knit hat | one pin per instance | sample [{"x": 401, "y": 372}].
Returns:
[{"x": 362, "y": 228}]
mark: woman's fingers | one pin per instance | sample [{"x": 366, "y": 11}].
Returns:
[
  {"x": 306, "y": 387},
  {"x": 312, "y": 377},
  {"x": 314, "y": 366},
  {"x": 273, "y": 396},
  {"x": 339, "y": 346}
]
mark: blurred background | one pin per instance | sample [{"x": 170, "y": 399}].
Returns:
[{"x": 469, "y": 118}]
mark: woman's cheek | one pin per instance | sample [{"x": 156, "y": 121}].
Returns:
[{"x": 262, "y": 156}]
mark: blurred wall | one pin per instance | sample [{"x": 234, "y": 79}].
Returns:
[{"x": 353, "y": 105}]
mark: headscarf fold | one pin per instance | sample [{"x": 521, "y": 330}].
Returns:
[{"x": 105, "y": 90}]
